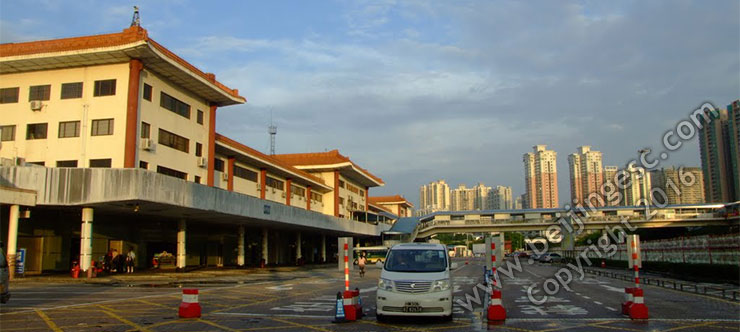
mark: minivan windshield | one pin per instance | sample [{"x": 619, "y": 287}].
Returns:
[{"x": 416, "y": 260}]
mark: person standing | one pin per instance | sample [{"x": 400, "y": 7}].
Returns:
[{"x": 130, "y": 260}]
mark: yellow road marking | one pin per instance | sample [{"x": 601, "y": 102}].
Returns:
[
  {"x": 155, "y": 304},
  {"x": 690, "y": 326},
  {"x": 298, "y": 324},
  {"x": 123, "y": 320},
  {"x": 53, "y": 326},
  {"x": 217, "y": 325}
]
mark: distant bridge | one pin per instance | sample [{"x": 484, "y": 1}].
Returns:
[{"x": 542, "y": 219}]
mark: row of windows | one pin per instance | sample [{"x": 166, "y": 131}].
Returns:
[
  {"x": 274, "y": 183},
  {"x": 100, "y": 127},
  {"x": 94, "y": 163},
  {"x": 245, "y": 174},
  {"x": 68, "y": 91},
  {"x": 171, "y": 103}
]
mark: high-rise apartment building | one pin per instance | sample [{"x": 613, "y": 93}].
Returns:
[
  {"x": 586, "y": 177},
  {"x": 612, "y": 193},
  {"x": 541, "y": 178},
  {"x": 481, "y": 196},
  {"x": 519, "y": 202},
  {"x": 718, "y": 148},
  {"x": 636, "y": 183},
  {"x": 684, "y": 185},
  {"x": 434, "y": 197},
  {"x": 462, "y": 198},
  {"x": 500, "y": 199}
]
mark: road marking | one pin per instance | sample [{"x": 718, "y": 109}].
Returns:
[
  {"x": 123, "y": 320},
  {"x": 53, "y": 326},
  {"x": 610, "y": 308},
  {"x": 369, "y": 290},
  {"x": 246, "y": 314},
  {"x": 597, "y": 302},
  {"x": 690, "y": 326},
  {"x": 299, "y": 324},
  {"x": 585, "y": 297},
  {"x": 225, "y": 328},
  {"x": 280, "y": 288},
  {"x": 613, "y": 289}
]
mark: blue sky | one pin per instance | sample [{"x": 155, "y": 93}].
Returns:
[{"x": 417, "y": 90}]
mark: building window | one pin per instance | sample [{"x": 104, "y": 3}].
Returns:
[
  {"x": 174, "y": 105},
  {"x": 36, "y": 131},
  {"x": 143, "y": 164},
  {"x": 147, "y": 92},
  {"x": 341, "y": 184},
  {"x": 145, "y": 130},
  {"x": 102, "y": 127},
  {"x": 39, "y": 92},
  {"x": 69, "y": 129},
  {"x": 37, "y": 163},
  {"x": 245, "y": 174},
  {"x": 274, "y": 183},
  {"x": 72, "y": 90},
  {"x": 9, "y": 95},
  {"x": 298, "y": 191},
  {"x": 176, "y": 142},
  {"x": 67, "y": 163},
  {"x": 200, "y": 117},
  {"x": 316, "y": 196},
  {"x": 100, "y": 163},
  {"x": 218, "y": 165},
  {"x": 341, "y": 201},
  {"x": 7, "y": 133},
  {"x": 105, "y": 88},
  {"x": 172, "y": 172},
  {"x": 197, "y": 179},
  {"x": 198, "y": 149}
]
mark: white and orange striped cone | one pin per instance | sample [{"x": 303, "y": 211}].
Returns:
[
  {"x": 638, "y": 309},
  {"x": 627, "y": 300},
  {"x": 189, "y": 308},
  {"x": 496, "y": 311}
]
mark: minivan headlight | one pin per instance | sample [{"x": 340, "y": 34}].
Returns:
[
  {"x": 441, "y": 285},
  {"x": 385, "y": 284}
]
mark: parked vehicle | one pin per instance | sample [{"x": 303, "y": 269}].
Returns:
[
  {"x": 4, "y": 277},
  {"x": 551, "y": 258},
  {"x": 416, "y": 281}
]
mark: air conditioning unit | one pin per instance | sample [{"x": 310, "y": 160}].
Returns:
[
  {"x": 258, "y": 186},
  {"x": 202, "y": 162},
  {"x": 225, "y": 176},
  {"x": 20, "y": 161},
  {"x": 36, "y": 105},
  {"x": 273, "y": 190},
  {"x": 284, "y": 195},
  {"x": 146, "y": 144}
]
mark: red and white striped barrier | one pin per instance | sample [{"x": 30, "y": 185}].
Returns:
[
  {"x": 351, "y": 305},
  {"x": 346, "y": 266},
  {"x": 637, "y": 309},
  {"x": 189, "y": 308},
  {"x": 496, "y": 311}
]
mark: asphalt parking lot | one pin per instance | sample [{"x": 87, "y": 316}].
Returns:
[{"x": 305, "y": 300}]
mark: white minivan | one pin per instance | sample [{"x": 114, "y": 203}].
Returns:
[{"x": 416, "y": 281}]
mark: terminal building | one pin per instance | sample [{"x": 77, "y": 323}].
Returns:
[{"x": 109, "y": 142}]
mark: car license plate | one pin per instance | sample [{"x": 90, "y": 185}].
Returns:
[{"x": 412, "y": 307}]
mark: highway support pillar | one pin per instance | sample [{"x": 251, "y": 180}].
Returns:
[
  {"x": 13, "y": 239},
  {"x": 240, "y": 260},
  {"x": 265, "y": 248},
  {"x": 181, "y": 253},
  {"x": 86, "y": 239}
]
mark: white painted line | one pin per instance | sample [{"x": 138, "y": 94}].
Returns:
[
  {"x": 610, "y": 308},
  {"x": 368, "y": 290},
  {"x": 597, "y": 302},
  {"x": 586, "y": 297}
]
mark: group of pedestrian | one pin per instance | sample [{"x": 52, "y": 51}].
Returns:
[{"x": 113, "y": 262}]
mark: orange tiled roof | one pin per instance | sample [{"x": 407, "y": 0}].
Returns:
[
  {"x": 322, "y": 158},
  {"x": 243, "y": 148},
  {"x": 388, "y": 199},
  {"x": 127, "y": 36},
  {"x": 380, "y": 207}
]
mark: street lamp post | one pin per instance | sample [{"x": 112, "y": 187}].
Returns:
[{"x": 644, "y": 182}]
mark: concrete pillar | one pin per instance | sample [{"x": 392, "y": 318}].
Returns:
[
  {"x": 298, "y": 248},
  {"x": 15, "y": 211},
  {"x": 323, "y": 248},
  {"x": 181, "y": 254},
  {"x": 265, "y": 252},
  {"x": 86, "y": 239},
  {"x": 240, "y": 259}
]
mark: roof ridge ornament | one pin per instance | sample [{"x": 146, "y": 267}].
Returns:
[{"x": 136, "y": 20}]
